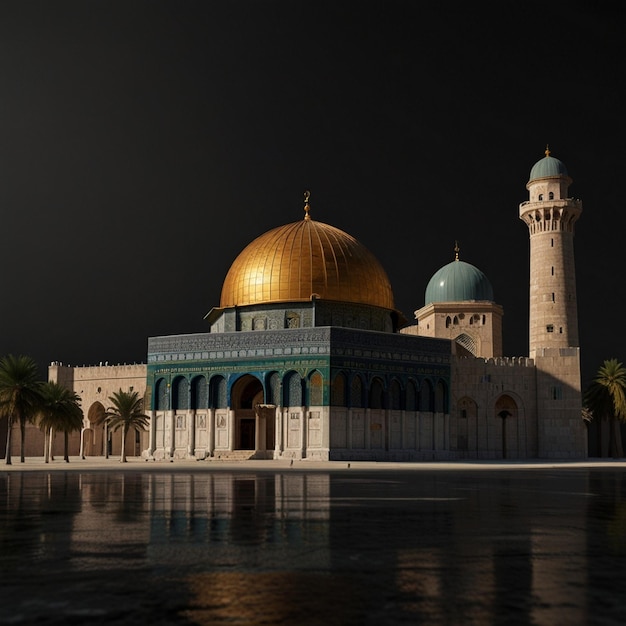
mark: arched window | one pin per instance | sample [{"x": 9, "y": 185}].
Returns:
[
  {"x": 274, "y": 389},
  {"x": 551, "y": 195},
  {"x": 425, "y": 396},
  {"x": 394, "y": 395},
  {"x": 356, "y": 393},
  {"x": 316, "y": 389},
  {"x": 338, "y": 391},
  {"x": 293, "y": 390},
  {"x": 411, "y": 396},
  {"x": 199, "y": 393},
  {"x": 441, "y": 400},
  {"x": 376, "y": 394},
  {"x": 180, "y": 393},
  {"x": 161, "y": 395},
  {"x": 540, "y": 197},
  {"x": 448, "y": 321},
  {"x": 218, "y": 395}
]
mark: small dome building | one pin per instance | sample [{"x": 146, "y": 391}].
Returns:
[
  {"x": 459, "y": 304},
  {"x": 458, "y": 282}
]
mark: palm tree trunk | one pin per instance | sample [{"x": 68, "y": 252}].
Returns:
[
  {"x": 123, "y": 454},
  {"x": 46, "y": 455},
  {"x": 66, "y": 455},
  {"x": 50, "y": 443},
  {"x": 22, "y": 439},
  {"x": 8, "y": 453}
]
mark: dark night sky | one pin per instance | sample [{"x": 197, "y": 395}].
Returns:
[{"x": 144, "y": 144}]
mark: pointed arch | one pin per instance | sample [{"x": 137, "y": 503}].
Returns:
[
  {"x": 338, "y": 390},
  {"x": 180, "y": 393},
  {"x": 395, "y": 395},
  {"x": 316, "y": 389},
  {"x": 96, "y": 412},
  {"x": 161, "y": 395},
  {"x": 273, "y": 389},
  {"x": 410, "y": 401},
  {"x": 506, "y": 411},
  {"x": 467, "y": 342},
  {"x": 246, "y": 391},
  {"x": 292, "y": 389},
  {"x": 218, "y": 393},
  {"x": 376, "y": 394},
  {"x": 357, "y": 392},
  {"x": 506, "y": 404},
  {"x": 199, "y": 392},
  {"x": 426, "y": 396},
  {"x": 441, "y": 397}
]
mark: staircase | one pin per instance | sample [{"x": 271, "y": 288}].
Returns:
[{"x": 231, "y": 455}]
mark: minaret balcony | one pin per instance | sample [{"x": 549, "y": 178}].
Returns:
[{"x": 529, "y": 205}]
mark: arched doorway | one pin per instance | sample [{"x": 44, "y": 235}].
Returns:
[
  {"x": 97, "y": 436},
  {"x": 254, "y": 420},
  {"x": 507, "y": 412}
]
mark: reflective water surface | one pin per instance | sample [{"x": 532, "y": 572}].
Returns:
[{"x": 314, "y": 547}]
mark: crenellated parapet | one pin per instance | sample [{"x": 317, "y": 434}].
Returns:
[{"x": 503, "y": 361}]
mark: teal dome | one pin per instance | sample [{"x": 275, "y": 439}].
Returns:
[
  {"x": 456, "y": 282},
  {"x": 548, "y": 166}
]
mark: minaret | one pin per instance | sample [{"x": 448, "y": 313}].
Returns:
[
  {"x": 550, "y": 216},
  {"x": 553, "y": 339}
]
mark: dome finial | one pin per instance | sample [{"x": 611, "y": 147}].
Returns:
[
  {"x": 547, "y": 150},
  {"x": 456, "y": 250},
  {"x": 307, "y": 208}
]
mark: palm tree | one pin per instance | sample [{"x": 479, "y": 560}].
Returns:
[
  {"x": 20, "y": 396},
  {"x": 126, "y": 412},
  {"x": 606, "y": 398},
  {"x": 60, "y": 411}
]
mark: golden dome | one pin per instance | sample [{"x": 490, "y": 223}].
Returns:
[{"x": 304, "y": 259}]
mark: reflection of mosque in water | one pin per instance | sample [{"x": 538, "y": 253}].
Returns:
[{"x": 359, "y": 540}]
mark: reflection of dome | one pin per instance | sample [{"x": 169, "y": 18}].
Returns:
[
  {"x": 456, "y": 282},
  {"x": 548, "y": 166},
  {"x": 296, "y": 261}
]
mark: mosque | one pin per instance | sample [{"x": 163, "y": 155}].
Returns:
[{"x": 306, "y": 357}]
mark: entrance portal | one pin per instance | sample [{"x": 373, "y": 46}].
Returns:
[
  {"x": 254, "y": 421},
  {"x": 246, "y": 434}
]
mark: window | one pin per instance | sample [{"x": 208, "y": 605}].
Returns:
[
  {"x": 551, "y": 195},
  {"x": 550, "y": 328},
  {"x": 540, "y": 197}
]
